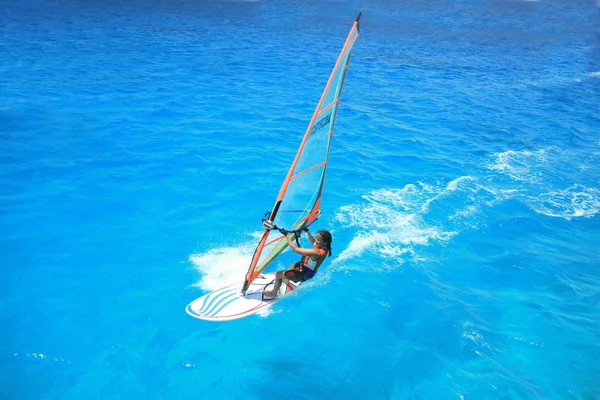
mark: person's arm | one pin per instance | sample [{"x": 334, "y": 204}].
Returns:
[
  {"x": 311, "y": 239},
  {"x": 301, "y": 250}
]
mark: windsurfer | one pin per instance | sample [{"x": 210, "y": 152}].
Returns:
[{"x": 306, "y": 268}]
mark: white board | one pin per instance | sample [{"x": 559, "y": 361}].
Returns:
[{"x": 228, "y": 303}]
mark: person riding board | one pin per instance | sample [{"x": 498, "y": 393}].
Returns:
[{"x": 306, "y": 268}]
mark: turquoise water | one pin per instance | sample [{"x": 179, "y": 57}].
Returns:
[{"x": 142, "y": 142}]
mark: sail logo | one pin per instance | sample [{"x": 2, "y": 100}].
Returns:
[{"x": 319, "y": 124}]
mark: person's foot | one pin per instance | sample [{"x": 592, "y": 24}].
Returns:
[{"x": 269, "y": 293}]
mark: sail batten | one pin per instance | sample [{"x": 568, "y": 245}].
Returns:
[
  {"x": 308, "y": 170},
  {"x": 299, "y": 199}
]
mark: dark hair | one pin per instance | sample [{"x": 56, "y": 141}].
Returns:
[{"x": 326, "y": 238}]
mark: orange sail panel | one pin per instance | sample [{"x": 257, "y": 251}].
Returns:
[{"x": 299, "y": 200}]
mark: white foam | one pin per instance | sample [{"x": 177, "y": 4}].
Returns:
[
  {"x": 523, "y": 165},
  {"x": 267, "y": 311},
  {"x": 452, "y": 186},
  {"x": 470, "y": 332},
  {"x": 391, "y": 222},
  {"x": 370, "y": 240},
  {"x": 40, "y": 356},
  {"x": 468, "y": 211},
  {"x": 222, "y": 266},
  {"x": 540, "y": 171},
  {"x": 528, "y": 342},
  {"x": 575, "y": 201}
]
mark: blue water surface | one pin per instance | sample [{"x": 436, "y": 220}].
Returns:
[{"x": 142, "y": 141}]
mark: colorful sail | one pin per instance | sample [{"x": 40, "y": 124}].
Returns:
[{"x": 299, "y": 200}]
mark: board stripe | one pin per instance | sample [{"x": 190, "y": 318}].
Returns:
[
  {"x": 224, "y": 304},
  {"x": 215, "y": 299},
  {"x": 206, "y": 298},
  {"x": 223, "y": 301}
]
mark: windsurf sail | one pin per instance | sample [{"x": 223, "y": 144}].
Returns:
[{"x": 298, "y": 203}]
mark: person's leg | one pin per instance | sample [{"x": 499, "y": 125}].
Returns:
[
  {"x": 284, "y": 277},
  {"x": 296, "y": 266},
  {"x": 276, "y": 286}
]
